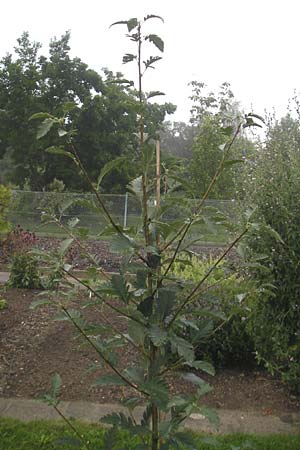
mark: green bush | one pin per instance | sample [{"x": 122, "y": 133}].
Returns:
[
  {"x": 24, "y": 272},
  {"x": 3, "y": 303},
  {"x": 231, "y": 345},
  {"x": 5, "y": 197},
  {"x": 275, "y": 323}
]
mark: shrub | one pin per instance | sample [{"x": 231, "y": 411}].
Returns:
[
  {"x": 3, "y": 303},
  {"x": 5, "y": 197},
  {"x": 230, "y": 294},
  {"x": 275, "y": 323},
  {"x": 24, "y": 272}
]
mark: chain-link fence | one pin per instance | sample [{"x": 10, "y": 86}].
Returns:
[{"x": 27, "y": 209}]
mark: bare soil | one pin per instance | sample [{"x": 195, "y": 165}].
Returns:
[{"x": 33, "y": 347}]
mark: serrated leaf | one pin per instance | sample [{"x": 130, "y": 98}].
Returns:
[
  {"x": 73, "y": 222},
  {"x": 55, "y": 385},
  {"x": 158, "y": 335},
  {"x": 204, "y": 366},
  {"x": 136, "y": 332},
  {"x": 192, "y": 378},
  {"x": 121, "y": 287},
  {"x": 157, "y": 41},
  {"x": 69, "y": 106},
  {"x": 165, "y": 302},
  {"x": 231, "y": 162},
  {"x": 40, "y": 302},
  {"x": 146, "y": 306},
  {"x": 211, "y": 415},
  {"x": 183, "y": 347},
  {"x": 128, "y": 57},
  {"x": 41, "y": 115},
  {"x": 158, "y": 392},
  {"x": 54, "y": 150},
  {"x": 132, "y": 23},
  {"x": 106, "y": 380},
  {"x": 154, "y": 94},
  {"x": 61, "y": 132},
  {"x": 120, "y": 22},
  {"x": 136, "y": 374},
  {"x": 153, "y": 16},
  {"x": 45, "y": 127},
  {"x": 108, "y": 167},
  {"x": 65, "y": 245}
]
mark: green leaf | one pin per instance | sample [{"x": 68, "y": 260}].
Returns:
[
  {"x": 158, "y": 392},
  {"x": 183, "y": 347},
  {"x": 136, "y": 332},
  {"x": 165, "y": 302},
  {"x": 146, "y": 306},
  {"x": 108, "y": 167},
  {"x": 41, "y": 115},
  {"x": 55, "y": 385},
  {"x": 69, "y": 106},
  {"x": 204, "y": 366},
  {"x": 136, "y": 374},
  {"x": 132, "y": 23},
  {"x": 156, "y": 40},
  {"x": 211, "y": 415},
  {"x": 73, "y": 222},
  {"x": 45, "y": 127},
  {"x": 40, "y": 302},
  {"x": 54, "y": 150},
  {"x": 65, "y": 245},
  {"x": 158, "y": 335},
  {"x": 192, "y": 378},
  {"x": 154, "y": 94},
  {"x": 70, "y": 441},
  {"x": 231, "y": 162},
  {"x": 106, "y": 380},
  {"x": 121, "y": 287},
  {"x": 61, "y": 132}
]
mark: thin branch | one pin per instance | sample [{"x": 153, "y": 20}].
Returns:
[
  {"x": 195, "y": 290},
  {"x": 100, "y": 353},
  {"x": 114, "y": 308}
]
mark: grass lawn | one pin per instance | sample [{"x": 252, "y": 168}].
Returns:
[{"x": 16, "y": 435}]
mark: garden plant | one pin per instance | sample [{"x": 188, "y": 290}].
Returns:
[{"x": 161, "y": 309}]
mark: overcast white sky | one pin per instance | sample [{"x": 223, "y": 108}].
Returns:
[{"x": 252, "y": 44}]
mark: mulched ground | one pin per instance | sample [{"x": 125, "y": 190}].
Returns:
[{"x": 33, "y": 347}]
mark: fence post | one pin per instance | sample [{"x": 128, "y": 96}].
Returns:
[{"x": 125, "y": 210}]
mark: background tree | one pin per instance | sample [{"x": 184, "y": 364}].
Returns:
[
  {"x": 105, "y": 117},
  {"x": 212, "y": 114},
  {"x": 273, "y": 190}
]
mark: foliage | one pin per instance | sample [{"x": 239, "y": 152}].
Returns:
[
  {"x": 231, "y": 296},
  {"x": 213, "y": 116},
  {"x": 37, "y": 435},
  {"x": 105, "y": 117},
  {"x": 24, "y": 272},
  {"x": 274, "y": 188},
  {"x": 158, "y": 309},
  {"x": 5, "y": 197},
  {"x": 3, "y": 303},
  {"x": 18, "y": 241},
  {"x": 24, "y": 267}
]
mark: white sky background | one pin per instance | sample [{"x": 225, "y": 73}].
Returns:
[{"x": 254, "y": 45}]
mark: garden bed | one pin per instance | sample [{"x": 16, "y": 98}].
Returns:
[{"x": 33, "y": 347}]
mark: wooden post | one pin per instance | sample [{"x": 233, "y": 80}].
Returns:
[{"x": 158, "y": 180}]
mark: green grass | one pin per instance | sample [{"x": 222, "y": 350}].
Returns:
[{"x": 42, "y": 435}]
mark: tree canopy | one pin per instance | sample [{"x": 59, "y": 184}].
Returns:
[{"x": 105, "y": 119}]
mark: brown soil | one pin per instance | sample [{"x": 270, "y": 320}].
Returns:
[{"x": 33, "y": 347}]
